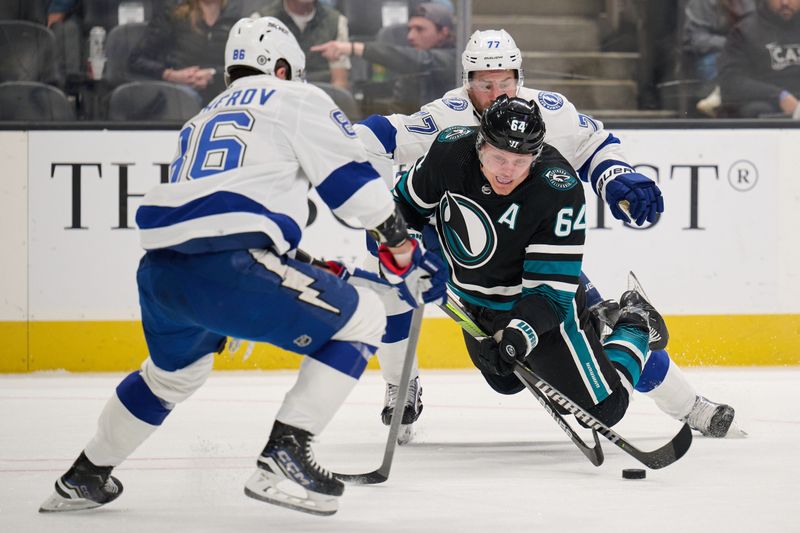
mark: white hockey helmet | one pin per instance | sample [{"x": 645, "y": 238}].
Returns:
[
  {"x": 491, "y": 50},
  {"x": 260, "y": 43}
]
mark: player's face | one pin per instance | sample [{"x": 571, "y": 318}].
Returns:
[
  {"x": 504, "y": 170},
  {"x": 486, "y": 85}
]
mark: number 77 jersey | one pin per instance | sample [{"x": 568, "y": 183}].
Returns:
[
  {"x": 500, "y": 248},
  {"x": 243, "y": 167}
]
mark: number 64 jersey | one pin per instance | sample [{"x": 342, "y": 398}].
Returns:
[
  {"x": 243, "y": 169},
  {"x": 518, "y": 253}
]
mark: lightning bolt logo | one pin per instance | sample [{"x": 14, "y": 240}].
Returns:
[{"x": 295, "y": 280}]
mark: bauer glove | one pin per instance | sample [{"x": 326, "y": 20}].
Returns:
[{"x": 642, "y": 197}]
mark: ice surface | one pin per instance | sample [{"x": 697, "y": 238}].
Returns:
[{"x": 481, "y": 461}]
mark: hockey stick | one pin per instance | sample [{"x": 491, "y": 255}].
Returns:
[
  {"x": 381, "y": 474},
  {"x": 659, "y": 458},
  {"x": 595, "y": 454}
]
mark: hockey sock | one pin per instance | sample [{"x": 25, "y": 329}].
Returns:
[
  {"x": 129, "y": 417},
  {"x": 326, "y": 378},
  {"x": 673, "y": 394},
  {"x": 393, "y": 348},
  {"x": 627, "y": 349}
]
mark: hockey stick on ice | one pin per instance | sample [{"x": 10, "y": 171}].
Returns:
[
  {"x": 663, "y": 456},
  {"x": 595, "y": 454},
  {"x": 381, "y": 474}
]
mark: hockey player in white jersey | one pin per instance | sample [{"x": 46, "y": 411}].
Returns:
[
  {"x": 492, "y": 66},
  {"x": 219, "y": 241}
]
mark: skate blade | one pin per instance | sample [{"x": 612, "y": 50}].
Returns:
[
  {"x": 57, "y": 504},
  {"x": 406, "y": 434},
  {"x": 264, "y": 486}
]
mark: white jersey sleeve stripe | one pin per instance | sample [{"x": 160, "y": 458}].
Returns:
[
  {"x": 554, "y": 249},
  {"x": 345, "y": 181},
  {"x": 382, "y": 130},
  {"x": 369, "y": 205}
]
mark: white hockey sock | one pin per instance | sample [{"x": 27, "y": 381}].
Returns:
[
  {"x": 119, "y": 433},
  {"x": 391, "y": 357},
  {"x": 674, "y": 395},
  {"x": 316, "y": 396}
]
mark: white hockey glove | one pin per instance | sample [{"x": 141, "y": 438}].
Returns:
[{"x": 422, "y": 280}]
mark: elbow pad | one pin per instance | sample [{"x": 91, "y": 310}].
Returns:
[{"x": 392, "y": 232}]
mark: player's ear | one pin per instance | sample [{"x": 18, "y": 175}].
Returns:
[{"x": 282, "y": 70}]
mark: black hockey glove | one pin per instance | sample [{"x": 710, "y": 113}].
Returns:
[
  {"x": 490, "y": 361},
  {"x": 517, "y": 341}
]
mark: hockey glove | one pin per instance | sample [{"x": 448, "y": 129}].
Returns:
[
  {"x": 489, "y": 360},
  {"x": 421, "y": 281},
  {"x": 517, "y": 341},
  {"x": 359, "y": 277},
  {"x": 642, "y": 194}
]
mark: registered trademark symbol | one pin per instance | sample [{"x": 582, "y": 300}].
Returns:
[{"x": 743, "y": 175}]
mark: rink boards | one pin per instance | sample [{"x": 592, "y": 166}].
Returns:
[{"x": 721, "y": 263}]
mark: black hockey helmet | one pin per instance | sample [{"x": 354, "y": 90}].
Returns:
[{"x": 514, "y": 125}]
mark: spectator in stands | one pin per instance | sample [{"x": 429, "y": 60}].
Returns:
[
  {"x": 760, "y": 63},
  {"x": 313, "y": 22},
  {"x": 59, "y": 10},
  {"x": 185, "y": 44},
  {"x": 707, "y": 25},
  {"x": 427, "y": 65}
]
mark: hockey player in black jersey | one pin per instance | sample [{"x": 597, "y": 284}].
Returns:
[{"x": 510, "y": 216}]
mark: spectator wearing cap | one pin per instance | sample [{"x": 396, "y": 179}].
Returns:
[{"x": 425, "y": 67}]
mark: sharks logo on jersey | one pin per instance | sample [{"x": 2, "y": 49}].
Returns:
[
  {"x": 559, "y": 178},
  {"x": 467, "y": 231},
  {"x": 454, "y": 133}
]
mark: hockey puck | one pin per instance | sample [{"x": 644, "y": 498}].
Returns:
[{"x": 634, "y": 473}]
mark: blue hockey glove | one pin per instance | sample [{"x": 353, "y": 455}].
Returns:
[
  {"x": 359, "y": 277},
  {"x": 643, "y": 197},
  {"x": 423, "y": 280}
]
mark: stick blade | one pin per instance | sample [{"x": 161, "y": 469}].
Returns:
[
  {"x": 668, "y": 453},
  {"x": 370, "y": 478}
]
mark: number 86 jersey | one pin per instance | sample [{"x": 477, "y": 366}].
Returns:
[{"x": 244, "y": 165}]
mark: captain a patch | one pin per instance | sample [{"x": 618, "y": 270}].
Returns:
[{"x": 560, "y": 179}]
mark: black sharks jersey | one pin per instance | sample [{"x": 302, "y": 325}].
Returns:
[{"x": 519, "y": 253}]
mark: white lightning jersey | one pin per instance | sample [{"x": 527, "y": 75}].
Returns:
[
  {"x": 594, "y": 153},
  {"x": 244, "y": 166}
]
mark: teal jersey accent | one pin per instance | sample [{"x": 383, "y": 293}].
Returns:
[
  {"x": 562, "y": 300},
  {"x": 583, "y": 351},
  {"x": 616, "y": 354},
  {"x": 401, "y": 188},
  {"x": 483, "y": 302},
  {"x": 564, "y": 268}
]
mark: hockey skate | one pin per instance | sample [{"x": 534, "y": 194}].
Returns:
[
  {"x": 635, "y": 301},
  {"x": 288, "y": 475},
  {"x": 710, "y": 418},
  {"x": 411, "y": 411},
  {"x": 84, "y": 486}
]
